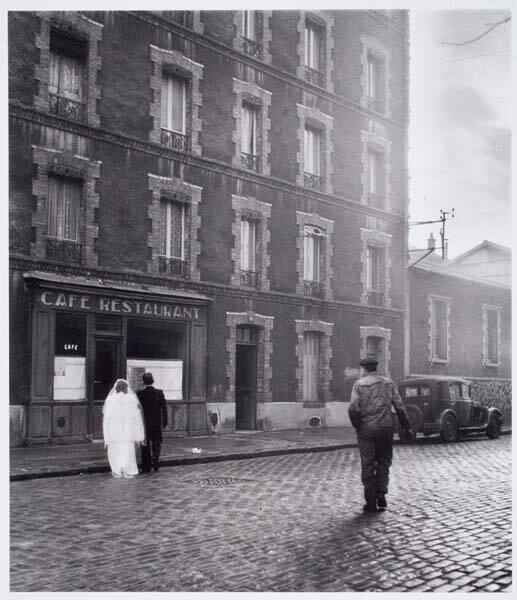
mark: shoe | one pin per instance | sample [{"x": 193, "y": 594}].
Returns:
[
  {"x": 116, "y": 475},
  {"x": 370, "y": 507},
  {"x": 381, "y": 501},
  {"x": 129, "y": 476}
]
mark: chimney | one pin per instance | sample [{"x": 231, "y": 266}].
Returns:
[{"x": 431, "y": 242}]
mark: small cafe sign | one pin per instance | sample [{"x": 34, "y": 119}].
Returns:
[{"x": 113, "y": 305}]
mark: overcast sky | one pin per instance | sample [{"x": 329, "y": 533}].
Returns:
[{"x": 460, "y": 127}]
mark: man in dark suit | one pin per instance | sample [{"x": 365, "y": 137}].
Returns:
[{"x": 155, "y": 417}]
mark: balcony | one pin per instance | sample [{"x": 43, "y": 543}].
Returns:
[
  {"x": 375, "y": 104},
  {"x": 64, "y": 107},
  {"x": 315, "y": 77},
  {"x": 173, "y": 266},
  {"x": 376, "y": 201},
  {"x": 375, "y": 298},
  {"x": 250, "y": 161},
  {"x": 175, "y": 140},
  {"x": 63, "y": 250},
  {"x": 314, "y": 182},
  {"x": 250, "y": 279},
  {"x": 313, "y": 288},
  {"x": 251, "y": 48}
]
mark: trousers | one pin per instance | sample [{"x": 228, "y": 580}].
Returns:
[
  {"x": 151, "y": 455},
  {"x": 376, "y": 452}
]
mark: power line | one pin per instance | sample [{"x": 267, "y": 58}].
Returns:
[{"x": 482, "y": 35}]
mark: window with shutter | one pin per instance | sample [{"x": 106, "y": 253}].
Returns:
[{"x": 311, "y": 363}]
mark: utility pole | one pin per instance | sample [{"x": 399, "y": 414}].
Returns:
[{"x": 443, "y": 219}]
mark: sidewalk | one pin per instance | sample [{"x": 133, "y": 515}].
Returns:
[{"x": 59, "y": 460}]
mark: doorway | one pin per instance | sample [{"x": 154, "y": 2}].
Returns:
[
  {"x": 246, "y": 379},
  {"x": 106, "y": 371}
]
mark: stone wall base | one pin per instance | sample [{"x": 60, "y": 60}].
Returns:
[
  {"x": 16, "y": 425},
  {"x": 275, "y": 416}
]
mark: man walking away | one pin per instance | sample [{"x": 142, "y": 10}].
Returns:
[
  {"x": 155, "y": 417},
  {"x": 374, "y": 403}
]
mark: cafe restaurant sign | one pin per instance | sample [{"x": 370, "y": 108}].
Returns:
[{"x": 111, "y": 305}]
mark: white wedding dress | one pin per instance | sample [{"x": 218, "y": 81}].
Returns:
[{"x": 123, "y": 428}]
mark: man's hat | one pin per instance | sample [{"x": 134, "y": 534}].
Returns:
[{"x": 365, "y": 362}]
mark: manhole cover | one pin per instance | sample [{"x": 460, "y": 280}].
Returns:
[{"x": 219, "y": 481}]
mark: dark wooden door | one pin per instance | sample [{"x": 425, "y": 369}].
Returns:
[
  {"x": 245, "y": 387},
  {"x": 106, "y": 370}
]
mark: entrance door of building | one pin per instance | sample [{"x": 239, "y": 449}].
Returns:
[
  {"x": 245, "y": 387},
  {"x": 106, "y": 370}
]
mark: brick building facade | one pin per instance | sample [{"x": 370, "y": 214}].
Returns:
[{"x": 219, "y": 197}]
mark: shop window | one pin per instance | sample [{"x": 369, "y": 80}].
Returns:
[
  {"x": 66, "y": 76},
  {"x": 172, "y": 237},
  {"x": 173, "y": 112},
  {"x": 159, "y": 348},
  {"x": 63, "y": 210},
  {"x": 70, "y": 357},
  {"x": 311, "y": 364}
]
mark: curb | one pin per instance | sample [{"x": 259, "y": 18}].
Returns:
[{"x": 194, "y": 460}]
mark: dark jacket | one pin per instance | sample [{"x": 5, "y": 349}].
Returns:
[{"x": 155, "y": 412}]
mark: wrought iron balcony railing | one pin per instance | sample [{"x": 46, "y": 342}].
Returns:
[
  {"x": 250, "y": 279},
  {"x": 64, "y": 107},
  {"x": 312, "y": 181},
  {"x": 173, "y": 266},
  {"x": 250, "y": 161},
  {"x": 175, "y": 140},
  {"x": 63, "y": 250},
  {"x": 251, "y": 48},
  {"x": 375, "y": 104},
  {"x": 375, "y": 298},
  {"x": 376, "y": 201},
  {"x": 313, "y": 288},
  {"x": 315, "y": 77}
]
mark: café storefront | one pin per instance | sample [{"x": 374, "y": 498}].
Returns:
[{"x": 87, "y": 333}]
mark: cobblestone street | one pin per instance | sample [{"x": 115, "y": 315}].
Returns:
[{"x": 285, "y": 523}]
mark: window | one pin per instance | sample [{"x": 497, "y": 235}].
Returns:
[
  {"x": 172, "y": 237},
  {"x": 66, "y": 77},
  {"x": 374, "y": 91},
  {"x": 375, "y": 275},
  {"x": 439, "y": 328},
  {"x": 64, "y": 201},
  {"x": 312, "y": 145},
  {"x": 249, "y": 25},
  {"x": 248, "y": 237},
  {"x": 173, "y": 112},
  {"x": 410, "y": 391},
  {"x": 375, "y": 179},
  {"x": 249, "y": 153},
  {"x": 311, "y": 360},
  {"x": 312, "y": 253},
  {"x": 491, "y": 336},
  {"x": 454, "y": 392},
  {"x": 312, "y": 46}
]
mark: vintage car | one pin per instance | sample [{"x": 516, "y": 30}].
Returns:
[{"x": 439, "y": 404}]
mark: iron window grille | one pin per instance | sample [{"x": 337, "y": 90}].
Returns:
[
  {"x": 63, "y": 250},
  {"x": 173, "y": 266},
  {"x": 250, "y": 279},
  {"x": 175, "y": 140}
]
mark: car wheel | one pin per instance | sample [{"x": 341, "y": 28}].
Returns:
[
  {"x": 493, "y": 428},
  {"x": 449, "y": 431}
]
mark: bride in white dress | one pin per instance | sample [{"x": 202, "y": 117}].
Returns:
[{"x": 123, "y": 429}]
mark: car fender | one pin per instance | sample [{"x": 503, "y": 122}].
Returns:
[{"x": 492, "y": 410}]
